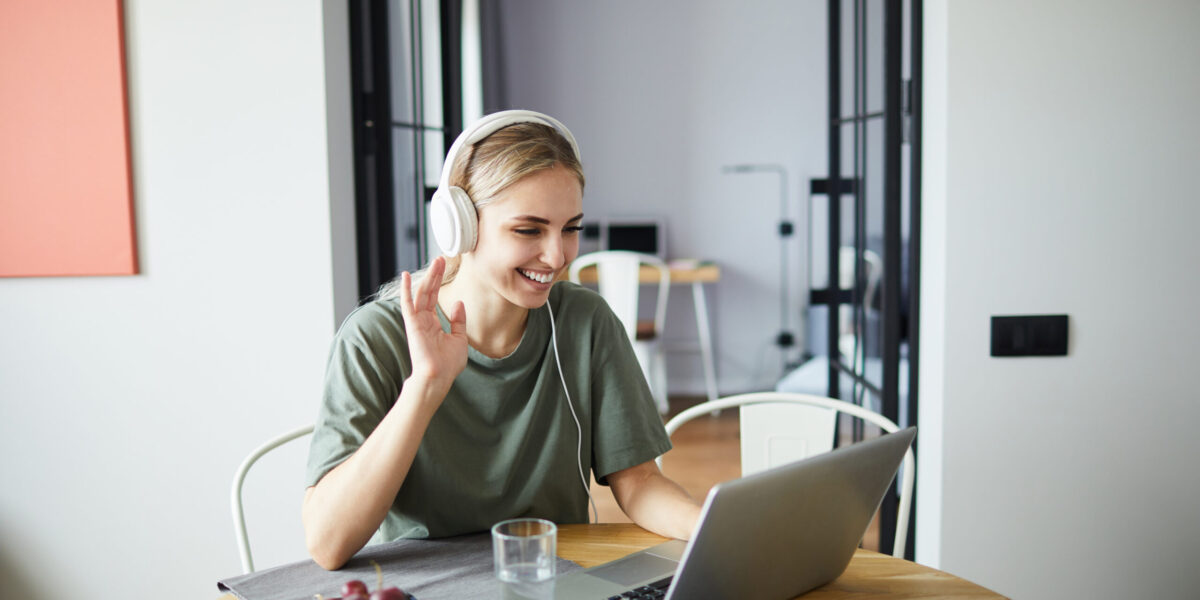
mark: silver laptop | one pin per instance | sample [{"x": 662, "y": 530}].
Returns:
[{"x": 771, "y": 535}]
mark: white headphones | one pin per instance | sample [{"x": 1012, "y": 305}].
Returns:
[{"x": 451, "y": 212}]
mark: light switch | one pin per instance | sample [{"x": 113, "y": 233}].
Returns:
[{"x": 1029, "y": 335}]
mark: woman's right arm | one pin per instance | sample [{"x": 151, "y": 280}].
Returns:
[
  {"x": 343, "y": 510},
  {"x": 347, "y": 505}
]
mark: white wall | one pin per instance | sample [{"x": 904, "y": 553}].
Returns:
[
  {"x": 661, "y": 96},
  {"x": 127, "y": 402},
  {"x": 1069, "y": 156},
  {"x": 932, "y": 337}
]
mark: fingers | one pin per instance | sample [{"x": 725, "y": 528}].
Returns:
[
  {"x": 458, "y": 319},
  {"x": 425, "y": 296},
  {"x": 406, "y": 304},
  {"x": 432, "y": 282}
]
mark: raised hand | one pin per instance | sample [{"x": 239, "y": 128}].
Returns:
[{"x": 436, "y": 355}]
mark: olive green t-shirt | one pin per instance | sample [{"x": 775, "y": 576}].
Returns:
[{"x": 503, "y": 444}]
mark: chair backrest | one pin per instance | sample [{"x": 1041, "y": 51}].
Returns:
[
  {"x": 778, "y": 427},
  {"x": 239, "y": 518},
  {"x": 618, "y": 273},
  {"x": 873, "y": 271}
]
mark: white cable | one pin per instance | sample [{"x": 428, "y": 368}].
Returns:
[{"x": 579, "y": 449}]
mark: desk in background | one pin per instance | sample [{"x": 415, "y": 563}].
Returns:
[{"x": 695, "y": 274}]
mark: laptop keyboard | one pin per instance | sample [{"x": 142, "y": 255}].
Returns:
[{"x": 658, "y": 589}]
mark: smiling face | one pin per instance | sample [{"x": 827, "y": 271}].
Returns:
[{"x": 527, "y": 237}]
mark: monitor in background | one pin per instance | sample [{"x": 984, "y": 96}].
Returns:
[{"x": 638, "y": 234}]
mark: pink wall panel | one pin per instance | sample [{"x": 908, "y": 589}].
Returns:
[{"x": 66, "y": 200}]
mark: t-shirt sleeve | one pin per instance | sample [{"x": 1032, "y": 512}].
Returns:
[
  {"x": 368, "y": 362},
  {"x": 626, "y": 427}
]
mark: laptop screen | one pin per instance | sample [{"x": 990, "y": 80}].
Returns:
[{"x": 645, "y": 236}]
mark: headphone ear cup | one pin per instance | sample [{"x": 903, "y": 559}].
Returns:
[
  {"x": 455, "y": 224},
  {"x": 468, "y": 219}
]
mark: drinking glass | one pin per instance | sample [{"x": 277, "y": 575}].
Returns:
[{"x": 524, "y": 550}]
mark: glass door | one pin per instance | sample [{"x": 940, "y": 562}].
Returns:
[
  {"x": 399, "y": 71},
  {"x": 869, "y": 211}
]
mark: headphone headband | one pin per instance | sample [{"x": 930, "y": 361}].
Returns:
[{"x": 494, "y": 122}]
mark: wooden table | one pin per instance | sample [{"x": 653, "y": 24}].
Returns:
[
  {"x": 870, "y": 574},
  {"x": 695, "y": 275}
]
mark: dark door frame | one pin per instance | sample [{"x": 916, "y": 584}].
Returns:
[
  {"x": 901, "y": 116},
  {"x": 373, "y": 124}
]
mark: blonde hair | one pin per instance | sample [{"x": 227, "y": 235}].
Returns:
[{"x": 495, "y": 163}]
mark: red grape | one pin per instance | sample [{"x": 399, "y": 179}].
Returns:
[
  {"x": 392, "y": 593},
  {"x": 353, "y": 587}
]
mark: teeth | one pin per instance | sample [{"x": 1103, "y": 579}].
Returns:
[{"x": 537, "y": 277}]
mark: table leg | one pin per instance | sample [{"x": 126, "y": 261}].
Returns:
[{"x": 706, "y": 351}]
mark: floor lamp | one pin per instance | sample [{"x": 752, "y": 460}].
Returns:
[{"x": 785, "y": 339}]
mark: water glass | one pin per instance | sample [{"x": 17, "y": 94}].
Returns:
[{"x": 524, "y": 550}]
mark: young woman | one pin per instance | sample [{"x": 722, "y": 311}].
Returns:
[{"x": 482, "y": 389}]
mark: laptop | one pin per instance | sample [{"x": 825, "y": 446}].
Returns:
[{"x": 772, "y": 535}]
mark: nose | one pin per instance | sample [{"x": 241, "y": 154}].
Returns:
[{"x": 555, "y": 251}]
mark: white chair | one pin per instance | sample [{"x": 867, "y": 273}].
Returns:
[
  {"x": 778, "y": 428},
  {"x": 239, "y": 518},
  {"x": 618, "y": 274},
  {"x": 873, "y": 271}
]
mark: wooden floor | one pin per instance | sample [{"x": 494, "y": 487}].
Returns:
[{"x": 706, "y": 452}]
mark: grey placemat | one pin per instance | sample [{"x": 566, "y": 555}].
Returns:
[{"x": 450, "y": 568}]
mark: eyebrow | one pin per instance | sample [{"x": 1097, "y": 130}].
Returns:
[{"x": 542, "y": 221}]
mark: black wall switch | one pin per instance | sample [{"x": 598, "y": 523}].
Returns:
[{"x": 1035, "y": 335}]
